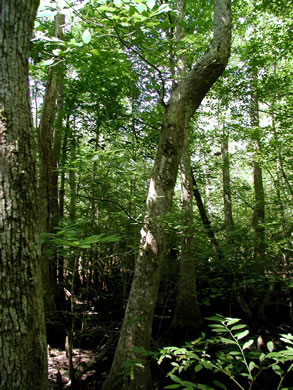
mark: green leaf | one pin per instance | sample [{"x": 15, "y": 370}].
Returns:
[
  {"x": 141, "y": 8},
  {"x": 188, "y": 384},
  {"x": 161, "y": 9},
  {"x": 262, "y": 357},
  {"x": 151, "y": 3},
  {"x": 287, "y": 338},
  {"x": 247, "y": 344},
  {"x": 175, "y": 386},
  {"x": 204, "y": 387},
  {"x": 228, "y": 341},
  {"x": 233, "y": 321},
  {"x": 175, "y": 378},
  {"x": 240, "y": 335},
  {"x": 277, "y": 369},
  {"x": 251, "y": 366},
  {"x": 270, "y": 346},
  {"x": 113, "y": 238},
  {"x": 219, "y": 328},
  {"x": 217, "y": 317},
  {"x": 95, "y": 52},
  {"x": 207, "y": 365},
  {"x": 220, "y": 385},
  {"x": 48, "y": 62},
  {"x": 86, "y": 36},
  {"x": 198, "y": 367},
  {"x": 237, "y": 327}
]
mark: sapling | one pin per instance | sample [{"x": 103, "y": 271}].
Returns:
[{"x": 237, "y": 357}]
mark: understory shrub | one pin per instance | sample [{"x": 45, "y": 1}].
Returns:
[{"x": 232, "y": 356}]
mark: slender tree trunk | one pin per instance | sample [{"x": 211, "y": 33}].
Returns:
[
  {"x": 58, "y": 259},
  {"x": 62, "y": 163},
  {"x": 23, "y": 362},
  {"x": 72, "y": 180},
  {"x": 229, "y": 223},
  {"x": 137, "y": 325},
  {"x": 277, "y": 184},
  {"x": 187, "y": 321},
  {"x": 259, "y": 208},
  {"x": 49, "y": 195},
  {"x": 205, "y": 220}
]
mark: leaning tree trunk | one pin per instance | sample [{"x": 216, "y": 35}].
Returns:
[
  {"x": 136, "y": 330},
  {"x": 205, "y": 220},
  {"x": 23, "y": 363}
]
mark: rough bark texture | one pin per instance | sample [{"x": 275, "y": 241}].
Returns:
[
  {"x": 229, "y": 223},
  {"x": 137, "y": 325},
  {"x": 23, "y": 362}
]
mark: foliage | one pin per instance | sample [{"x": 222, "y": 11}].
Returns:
[{"x": 231, "y": 353}]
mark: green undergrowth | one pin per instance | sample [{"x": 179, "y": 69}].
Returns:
[{"x": 231, "y": 358}]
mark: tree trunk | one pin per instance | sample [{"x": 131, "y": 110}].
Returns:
[
  {"x": 205, "y": 220},
  {"x": 72, "y": 179},
  {"x": 229, "y": 223},
  {"x": 186, "y": 322},
  {"x": 49, "y": 197},
  {"x": 23, "y": 363},
  {"x": 126, "y": 371},
  {"x": 259, "y": 207},
  {"x": 62, "y": 163}
]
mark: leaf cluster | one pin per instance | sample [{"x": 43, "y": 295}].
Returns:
[{"x": 236, "y": 357}]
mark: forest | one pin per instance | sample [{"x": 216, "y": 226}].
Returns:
[{"x": 146, "y": 192}]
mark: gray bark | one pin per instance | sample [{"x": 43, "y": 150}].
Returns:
[
  {"x": 137, "y": 325},
  {"x": 23, "y": 362}
]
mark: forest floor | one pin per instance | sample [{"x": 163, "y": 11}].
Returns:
[{"x": 58, "y": 366}]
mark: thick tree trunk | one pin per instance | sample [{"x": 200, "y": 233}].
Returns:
[
  {"x": 229, "y": 223},
  {"x": 137, "y": 325},
  {"x": 23, "y": 363}
]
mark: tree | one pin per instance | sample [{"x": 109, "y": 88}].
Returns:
[
  {"x": 229, "y": 223},
  {"x": 259, "y": 208},
  {"x": 49, "y": 152},
  {"x": 23, "y": 362},
  {"x": 136, "y": 329},
  {"x": 186, "y": 322}
]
